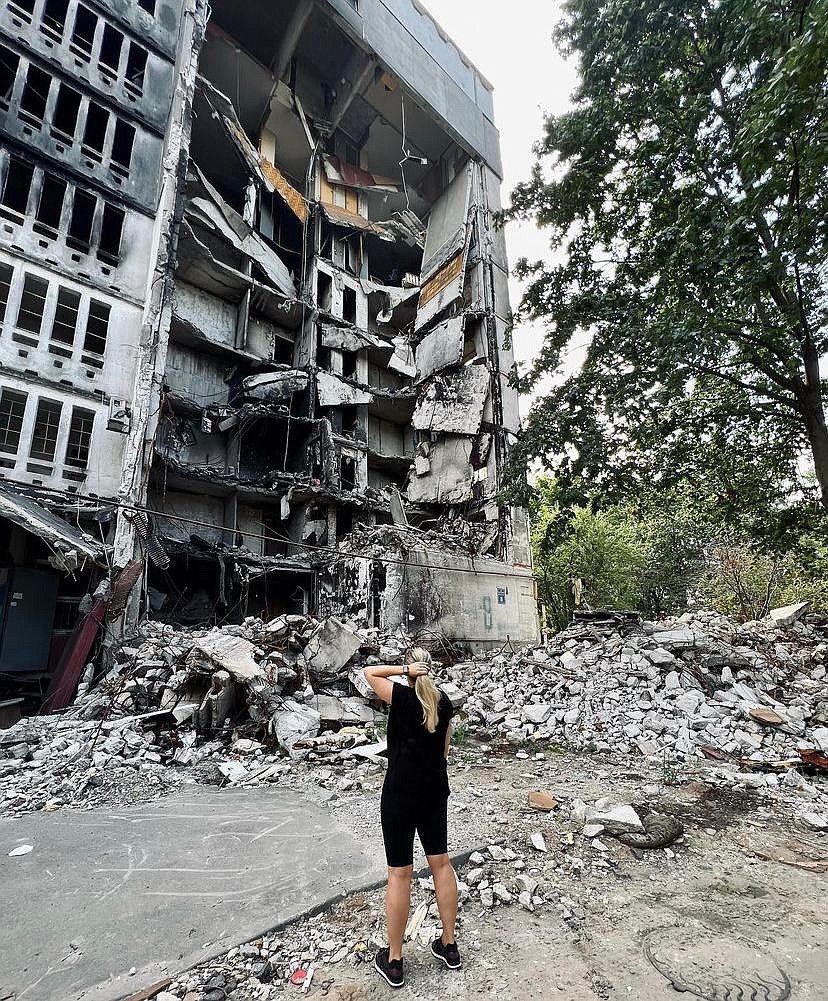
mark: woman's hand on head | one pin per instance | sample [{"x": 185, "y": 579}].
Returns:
[{"x": 418, "y": 670}]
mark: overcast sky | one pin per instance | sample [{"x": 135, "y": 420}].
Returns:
[{"x": 511, "y": 45}]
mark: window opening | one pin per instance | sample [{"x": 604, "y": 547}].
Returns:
[
  {"x": 53, "y": 22},
  {"x": 44, "y": 437},
  {"x": 66, "y": 316},
  {"x": 347, "y": 475},
  {"x": 97, "y": 327},
  {"x": 94, "y": 132},
  {"x": 65, "y": 117},
  {"x": 80, "y": 226},
  {"x": 9, "y": 61},
  {"x": 6, "y": 273},
  {"x": 25, "y": 8},
  {"x": 12, "y": 409},
  {"x": 349, "y": 364},
  {"x": 80, "y": 436},
  {"x": 50, "y": 206},
  {"x": 83, "y": 34},
  {"x": 110, "y": 54},
  {"x": 112, "y": 226},
  {"x": 324, "y": 291},
  {"x": 30, "y": 310},
  {"x": 16, "y": 189},
  {"x": 35, "y": 95},
  {"x": 136, "y": 66},
  {"x": 122, "y": 143},
  {"x": 148, "y": 6},
  {"x": 349, "y": 305}
]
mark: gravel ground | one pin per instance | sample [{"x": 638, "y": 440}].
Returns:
[{"x": 709, "y": 908}]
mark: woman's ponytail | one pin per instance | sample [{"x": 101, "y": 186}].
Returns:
[{"x": 425, "y": 690}]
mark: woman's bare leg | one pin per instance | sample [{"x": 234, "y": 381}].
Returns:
[
  {"x": 397, "y": 904},
  {"x": 445, "y": 885}
]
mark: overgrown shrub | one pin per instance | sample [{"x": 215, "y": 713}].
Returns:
[{"x": 662, "y": 558}]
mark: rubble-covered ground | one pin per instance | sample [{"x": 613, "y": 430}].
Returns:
[{"x": 626, "y": 778}]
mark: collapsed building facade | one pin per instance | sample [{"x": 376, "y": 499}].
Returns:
[{"x": 253, "y": 289}]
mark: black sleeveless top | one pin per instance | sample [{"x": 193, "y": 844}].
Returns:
[{"x": 416, "y": 758}]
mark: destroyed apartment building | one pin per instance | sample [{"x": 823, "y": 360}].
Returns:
[{"x": 252, "y": 289}]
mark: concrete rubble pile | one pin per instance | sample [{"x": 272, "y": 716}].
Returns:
[
  {"x": 230, "y": 702},
  {"x": 701, "y": 685}
]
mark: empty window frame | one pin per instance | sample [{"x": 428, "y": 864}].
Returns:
[
  {"x": 32, "y": 304},
  {"x": 12, "y": 410},
  {"x": 83, "y": 33},
  {"x": 110, "y": 55},
  {"x": 349, "y": 305},
  {"x": 53, "y": 22},
  {"x": 15, "y": 196},
  {"x": 50, "y": 206},
  {"x": 148, "y": 6},
  {"x": 80, "y": 436},
  {"x": 46, "y": 426},
  {"x": 23, "y": 8},
  {"x": 135, "y": 68},
  {"x": 65, "y": 322},
  {"x": 97, "y": 327},
  {"x": 94, "y": 131},
  {"x": 80, "y": 225},
  {"x": 9, "y": 61},
  {"x": 112, "y": 226},
  {"x": 35, "y": 95},
  {"x": 122, "y": 145},
  {"x": 65, "y": 115},
  {"x": 6, "y": 273}
]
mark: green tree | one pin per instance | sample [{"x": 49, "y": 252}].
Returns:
[{"x": 686, "y": 195}]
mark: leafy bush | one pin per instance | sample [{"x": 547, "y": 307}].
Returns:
[{"x": 662, "y": 557}]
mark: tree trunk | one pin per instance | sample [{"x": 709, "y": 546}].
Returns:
[
  {"x": 818, "y": 438},
  {"x": 813, "y": 410}
]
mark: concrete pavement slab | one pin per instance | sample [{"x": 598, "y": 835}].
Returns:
[{"x": 160, "y": 886}]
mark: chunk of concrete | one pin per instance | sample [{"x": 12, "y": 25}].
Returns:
[
  {"x": 330, "y": 647},
  {"x": 788, "y": 614},
  {"x": 233, "y": 654},
  {"x": 538, "y": 713},
  {"x": 294, "y": 723},
  {"x": 617, "y": 818}
]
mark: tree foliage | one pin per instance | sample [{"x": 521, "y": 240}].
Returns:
[
  {"x": 659, "y": 558},
  {"x": 686, "y": 197}
]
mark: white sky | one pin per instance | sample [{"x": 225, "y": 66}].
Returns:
[{"x": 512, "y": 47}]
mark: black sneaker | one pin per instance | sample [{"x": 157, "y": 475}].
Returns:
[
  {"x": 390, "y": 969},
  {"x": 449, "y": 954}
]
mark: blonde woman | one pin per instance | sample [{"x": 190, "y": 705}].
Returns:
[{"x": 415, "y": 798}]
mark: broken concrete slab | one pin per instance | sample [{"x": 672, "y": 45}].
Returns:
[
  {"x": 449, "y": 478},
  {"x": 233, "y": 654},
  {"x": 454, "y": 403},
  {"x": 617, "y": 818},
  {"x": 788, "y": 614},
  {"x": 294, "y": 723},
  {"x": 330, "y": 647},
  {"x": 334, "y": 392},
  {"x": 441, "y": 348}
]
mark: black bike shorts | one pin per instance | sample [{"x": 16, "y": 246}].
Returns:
[{"x": 402, "y": 818}]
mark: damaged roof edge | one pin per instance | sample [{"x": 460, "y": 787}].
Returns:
[{"x": 377, "y": 27}]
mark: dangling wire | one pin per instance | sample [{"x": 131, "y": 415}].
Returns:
[{"x": 406, "y": 154}]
